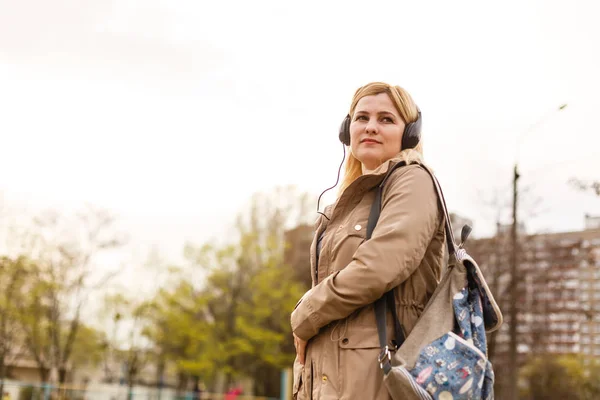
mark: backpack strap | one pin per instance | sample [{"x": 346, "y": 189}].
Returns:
[
  {"x": 388, "y": 300},
  {"x": 450, "y": 241},
  {"x": 376, "y": 207}
]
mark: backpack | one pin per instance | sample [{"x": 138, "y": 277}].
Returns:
[{"x": 445, "y": 355}]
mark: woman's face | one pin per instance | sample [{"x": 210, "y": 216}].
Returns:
[{"x": 375, "y": 131}]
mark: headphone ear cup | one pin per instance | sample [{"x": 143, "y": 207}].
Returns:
[
  {"x": 344, "y": 134},
  {"x": 412, "y": 133}
]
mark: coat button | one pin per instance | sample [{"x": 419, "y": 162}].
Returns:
[
  {"x": 345, "y": 341},
  {"x": 324, "y": 378},
  {"x": 357, "y": 227}
]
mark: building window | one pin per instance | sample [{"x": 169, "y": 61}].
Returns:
[
  {"x": 585, "y": 296},
  {"x": 571, "y": 284},
  {"x": 586, "y": 340}
]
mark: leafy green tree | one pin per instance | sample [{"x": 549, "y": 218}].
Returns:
[
  {"x": 13, "y": 275},
  {"x": 237, "y": 321},
  {"x": 88, "y": 348},
  {"x": 182, "y": 333}
]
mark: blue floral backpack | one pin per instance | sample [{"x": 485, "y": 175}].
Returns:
[{"x": 445, "y": 355}]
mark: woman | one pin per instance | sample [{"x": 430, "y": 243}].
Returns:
[{"x": 334, "y": 325}]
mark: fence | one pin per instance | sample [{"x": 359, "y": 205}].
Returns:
[{"x": 14, "y": 390}]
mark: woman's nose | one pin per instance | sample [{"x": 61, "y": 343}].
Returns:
[{"x": 371, "y": 126}]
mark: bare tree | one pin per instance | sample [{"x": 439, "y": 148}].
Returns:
[
  {"x": 66, "y": 252},
  {"x": 593, "y": 186}
]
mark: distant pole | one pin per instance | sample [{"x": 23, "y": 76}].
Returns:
[
  {"x": 513, "y": 371},
  {"x": 47, "y": 388},
  {"x": 513, "y": 362},
  {"x": 285, "y": 392}
]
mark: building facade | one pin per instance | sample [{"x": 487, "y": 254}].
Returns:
[{"x": 558, "y": 292}]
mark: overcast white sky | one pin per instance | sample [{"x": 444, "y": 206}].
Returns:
[{"x": 172, "y": 113}]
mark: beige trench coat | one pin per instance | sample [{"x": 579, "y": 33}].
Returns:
[{"x": 405, "y": 253}]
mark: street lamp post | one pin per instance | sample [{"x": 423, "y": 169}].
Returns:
[{"x": 513, "y": 292}]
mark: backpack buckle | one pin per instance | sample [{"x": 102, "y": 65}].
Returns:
[{"x": 385, "y": 353}]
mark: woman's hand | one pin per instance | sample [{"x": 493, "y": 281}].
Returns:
[{"x": 300, "y": 348}]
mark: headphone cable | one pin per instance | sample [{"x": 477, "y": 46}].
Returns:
[{"x": 336, "y": 182}]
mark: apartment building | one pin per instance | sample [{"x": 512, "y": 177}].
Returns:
[{"x": 558, "y": 291}]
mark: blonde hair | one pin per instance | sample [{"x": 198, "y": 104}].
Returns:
[{"x": 407, "y": 109}]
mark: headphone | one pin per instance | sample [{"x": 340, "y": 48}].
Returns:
[{"x": 410, "y": 138}]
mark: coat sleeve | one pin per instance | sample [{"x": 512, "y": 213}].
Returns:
[{"x": 408, "y": 221}]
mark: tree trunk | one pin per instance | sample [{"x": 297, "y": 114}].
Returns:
[
  {"x": 180, "y": 383},
  {"x": 2, "y": 372},
  {"x": 159, "y": 377},
  {"x": 130, "y": 390},
  {"x": 130, "y": 379},
  {"x": 229, "y": 381},
  {"x": 62, "y": 375},
  {"x": 132, "y": 371},
  {"x": 43, "y": 371},
  {"x": 230, "y": 324}
]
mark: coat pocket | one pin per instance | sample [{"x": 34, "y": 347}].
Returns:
[
  {"x": 359, "y": 368},
  {"x": 346, "y": 241},
  {"x": 359, "y": 337},
  {"x": 357, "y": 228}
]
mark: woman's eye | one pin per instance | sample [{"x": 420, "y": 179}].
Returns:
[
  {"x": 361, "y": 118},
  {"x": 387, "y": 119}
]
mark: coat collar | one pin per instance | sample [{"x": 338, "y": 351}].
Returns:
[{"x": 360, "y": 186}]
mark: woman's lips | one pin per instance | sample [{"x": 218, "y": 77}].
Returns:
[{"x": 371, "y": 141}]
